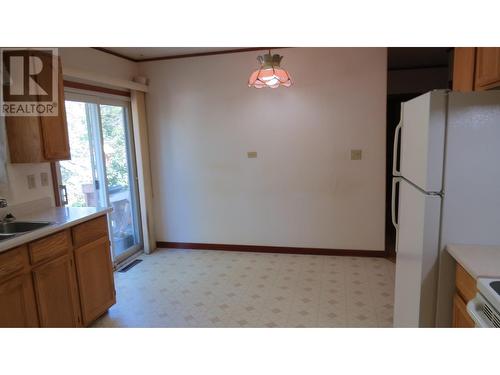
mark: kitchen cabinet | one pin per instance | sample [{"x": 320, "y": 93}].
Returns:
[
  {"x": 94, "y": 270},
  {"x": 35, "y": 139},
  {"x": 487, "y": 68},
  {"x": 461, "y": 318},
  {"x": 17, "y": 297},
  {"x": 57, "y": 294},
  {"x": 464, "y": 62},
  {"x": 476, "y": 69},
  {"x": 50, "y": 282},
  {"x": 465, "y": 290}
]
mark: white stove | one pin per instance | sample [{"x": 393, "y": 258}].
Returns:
[{"x": 484, "y": 308}]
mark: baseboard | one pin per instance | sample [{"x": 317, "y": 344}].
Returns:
[{"x": 270, "y": 249}]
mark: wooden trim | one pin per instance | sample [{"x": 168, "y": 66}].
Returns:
[
  {"x": 55, "y": 184},
  {"x": 223, "y": 52},
  {"x": 105, "y": 50},
  {"x": 105, "y": 90},
  {"x": 270, "y": 249}
]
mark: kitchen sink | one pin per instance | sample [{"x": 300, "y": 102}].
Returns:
[
  {"x": 16, "y": 227},
  {"x": 5, "y": 236}
]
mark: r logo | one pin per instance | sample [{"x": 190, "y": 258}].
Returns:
[
  {"x": 29, "y": 81},
  {"x": 29, "y": 75}
]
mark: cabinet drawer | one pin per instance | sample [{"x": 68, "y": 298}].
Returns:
[
  {"x": 465, "y": 283},
  {"x": 49, "y": 247},
  {"x": 14, "y": 262},
  {"x": 90, "y": 231}
]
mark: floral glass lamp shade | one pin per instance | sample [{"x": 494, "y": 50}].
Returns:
[{"x": 269, "y": 74}]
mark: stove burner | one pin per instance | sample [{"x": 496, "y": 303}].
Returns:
[{"x": 495, "y": 285}]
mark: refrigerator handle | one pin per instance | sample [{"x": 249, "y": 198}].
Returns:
[
  {"x": 395, "y": 155},
  {"x": 395, "y": 181}
]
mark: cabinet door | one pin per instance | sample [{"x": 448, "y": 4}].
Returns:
[
  {"x": 54, "y": 128},
  {"x": 461, "y": 318},
  {"x": 57, "y": 294},
  {"x": 17, "y": 301},
  {"x": 23, "y": 134},
  {"x": 464, "y": 60},
  {"x": 95, "y": 279},
  {"x": 487, "y": 67}
]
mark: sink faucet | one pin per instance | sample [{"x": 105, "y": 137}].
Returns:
[{"x": 8, "y": 218}]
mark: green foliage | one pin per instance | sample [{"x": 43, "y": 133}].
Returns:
[
  {"x": 77, "y": 174},
  {"x": 115, "y": 148}
]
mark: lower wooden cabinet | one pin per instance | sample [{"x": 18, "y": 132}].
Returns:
[
  {"x": 95, "y": 279},
  {"x": 17, "y": 301},
  {"x": 461, "y": 318},
  {"x": 57, "y": 293},
  {"x": 62, "y": 280},
  {"x": 465, "y": 290}
]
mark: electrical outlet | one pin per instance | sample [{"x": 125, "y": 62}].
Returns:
[
  {"x": 355, "y": 154},
  {"x": 31, "y": 181},
  {"x": 252, "y": 154},
  {"x": 44, "y": 178}
]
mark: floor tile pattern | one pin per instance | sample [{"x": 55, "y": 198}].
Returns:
[{"x": 207, "y": 288}]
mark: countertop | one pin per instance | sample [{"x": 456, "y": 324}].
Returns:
[
  {"x": 60, "y": 217},
  {"x": 478, "y": 260}
]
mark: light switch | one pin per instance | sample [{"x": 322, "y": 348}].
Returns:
[
  {"x": 31, "y": 181},
  {"x": 355, "y": 154},
  {"x": 44, "y": 178},
  {"x": 252, "y": 154}
]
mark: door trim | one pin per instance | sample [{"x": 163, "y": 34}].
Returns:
[{"x": 55, "y": 183}]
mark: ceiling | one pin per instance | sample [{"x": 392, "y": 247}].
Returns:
[
  {"x": 146, "y": 53},
  {"x": 398, "y": 58}
]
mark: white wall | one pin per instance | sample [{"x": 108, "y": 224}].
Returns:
[
  {"x": 303, "y": 189},
  {"x": 88, "y": 59},
  {"x": 92, "y": 60}
]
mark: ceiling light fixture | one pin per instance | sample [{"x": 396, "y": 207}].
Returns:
[{"x": 269, "y": 74}]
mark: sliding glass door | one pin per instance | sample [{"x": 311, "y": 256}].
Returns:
[{"x": 101, "y": 172}]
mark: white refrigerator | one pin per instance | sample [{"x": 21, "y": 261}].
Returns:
[{"x": 446, "y": 178}]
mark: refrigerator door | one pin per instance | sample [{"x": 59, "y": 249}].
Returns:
[
  {"x": 417, "y": 256},
  {"x": 422, "y": 140},
  {"x": 471, "y": 204}
]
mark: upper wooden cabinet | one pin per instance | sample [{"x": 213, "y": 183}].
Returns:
[
  {"x": 35, "y": 139},
  {"x": 476, "y": 69},
  {"x": 487, "y": 68}
]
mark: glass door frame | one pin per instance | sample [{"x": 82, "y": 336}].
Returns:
[{"x": 100, "y": 165}]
